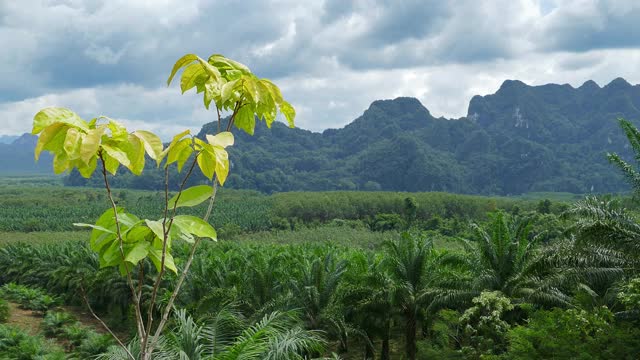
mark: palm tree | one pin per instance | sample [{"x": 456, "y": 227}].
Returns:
[
  {"x": 368, "y": 302},
  {"x": 411, "y": 263},
  {"x": 604, "y": 224},
  {"x": 226, "y": 337},
  {"x": 505, "y": 257}
]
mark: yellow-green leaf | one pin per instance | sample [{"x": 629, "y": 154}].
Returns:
[
  {"x": 245, "y": 120},
  {"x": 91, "y": 143},
  {"x": 110, "y": 163},
  {"x": 222, "y": 164},
  {"x": 60, "y": 163},
  {"x": 289, "y": 112},
  {"x": 152, "y": 144},
  {"x": 50, "y": 115},
  {"x": 135, "y": 152},
  {"x": 72, "y": 143},
  {"x": 52, "y": 136},
  {"x": 189, "y": 76},
  {"x": 183, "y": 61},
  {"x": 207, "y": 163},
  {"x": 117, "y": 154},
  {"x": 86, "y": 169},
  {"x": 118, "y": 131},
  {"x": 222, "y": 139},
  {"x": 196, "y": 226}
]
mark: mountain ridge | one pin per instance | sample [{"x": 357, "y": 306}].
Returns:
[{"x": 521, "y": 138}]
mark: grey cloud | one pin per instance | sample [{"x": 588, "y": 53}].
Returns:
[{"x": 586, "y": 25}]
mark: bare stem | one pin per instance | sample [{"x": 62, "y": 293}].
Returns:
[
  {"x": 166, "y": 228},
  {"x": 136, "y": 299}
]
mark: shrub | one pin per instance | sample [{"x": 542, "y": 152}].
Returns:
[
  {"x": 74, "y": 333},
  {"x": 93, "y": 344},
  {"x": 387, "y": 222},
  {"x": 16, "y": 344},
  {"x": 54, "y": 321},
  {"x": 574, "y": 334},
  {"x": 29, "y": 298}
]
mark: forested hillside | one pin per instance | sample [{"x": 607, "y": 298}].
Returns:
[{"x": 520, "y": 139}]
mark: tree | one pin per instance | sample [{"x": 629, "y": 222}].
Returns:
[
  {"x": 411, "y": 264},
  {"x": 504, "y": 257},
  {"x": 123, "y": 240}
]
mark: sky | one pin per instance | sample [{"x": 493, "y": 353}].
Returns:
[{"x": 331, "y": 58}]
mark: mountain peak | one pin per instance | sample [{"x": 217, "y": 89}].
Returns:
[
  {"x": 26, "y": 139},
  {"x": 511, "y": 84},
  {"x": 589, "y": 85},
  {"x": 398, "y": 106},
  {"x": 618, "y": 83}
]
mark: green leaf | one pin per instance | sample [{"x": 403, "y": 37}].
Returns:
[
  {"x": 189, "y": 76},
  {"x": 183, "y": 61},
  {"x": 152, "y": 144},
  {"x": 192, "y": 196},
  {"x": 245, "y": 120},
  {"x": 222, "y": 139},
  {"x": 52, "y": 137},
  {"x": 156, "y": 227},
  {"x": 95, "y": 227},
  {"x": 196, "y": 226},
  {"x": 155, "y": 255},
  {"x": 138, "y": 252},
  {"x": 51, "y": 115}
]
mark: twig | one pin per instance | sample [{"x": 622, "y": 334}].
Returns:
[{"x": 104, "y": 325}]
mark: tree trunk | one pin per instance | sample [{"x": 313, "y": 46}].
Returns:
[
  {"x": 368, "y": 352},
  {"x": 385, "y": 351},
  {"x": 411, "y": 328}
]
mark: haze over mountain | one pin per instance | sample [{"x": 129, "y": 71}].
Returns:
[{"x": 520, "y": 139}]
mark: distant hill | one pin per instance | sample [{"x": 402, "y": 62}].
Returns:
[
  {"x": 16, "y": 158},
  {"x": 7, "y": 139},
  {"x": 520, "y": 139}
]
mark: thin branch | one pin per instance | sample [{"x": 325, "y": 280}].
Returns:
[
  {"x": 104, "y": 325},
  {"x": 219, "y": 118},
  {"x": 233, "y": 116},
  {"x": 183, "y": 275},
  {"x": 136, "y": 300},
  {"x": 166, "y": 228}
]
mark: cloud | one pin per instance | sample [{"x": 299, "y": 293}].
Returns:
[{"x": 332, "y": 58}]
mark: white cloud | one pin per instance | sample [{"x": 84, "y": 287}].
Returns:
[{"x": 332, "y": 58}]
